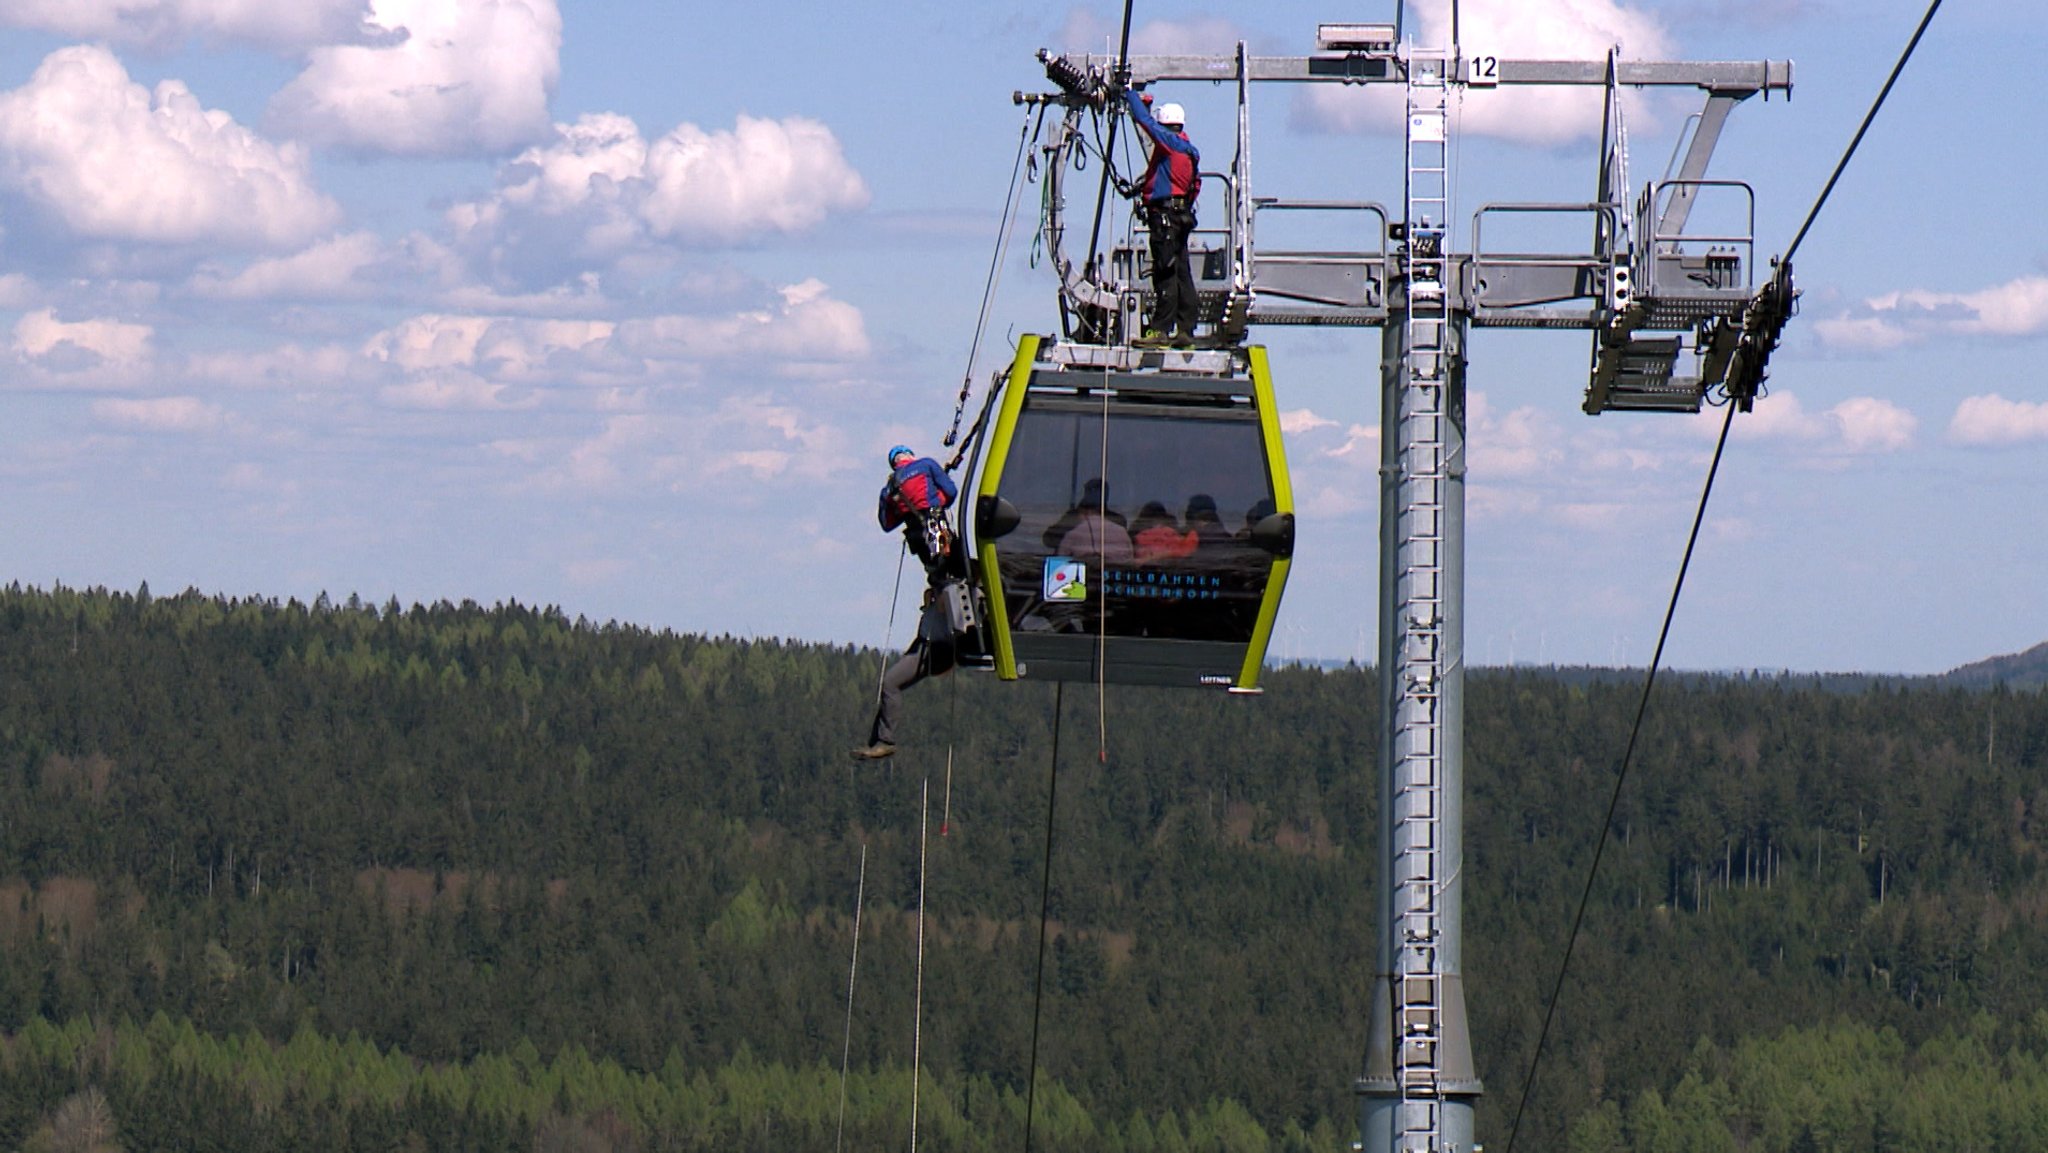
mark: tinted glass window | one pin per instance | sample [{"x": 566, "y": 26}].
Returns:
[{"x": 1153, "y": 545}]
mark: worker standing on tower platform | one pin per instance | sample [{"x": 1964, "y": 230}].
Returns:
[{"x": 1166, "y": 193}]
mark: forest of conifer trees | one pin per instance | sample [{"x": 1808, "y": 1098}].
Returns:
[{"x": 338, "y": 876}]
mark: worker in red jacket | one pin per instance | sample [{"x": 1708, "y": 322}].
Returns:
[
  {"x": 1166, "y": 194},
  {"x": 915, "y": 498}
]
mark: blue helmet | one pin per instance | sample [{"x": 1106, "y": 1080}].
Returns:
[{"x": 899, "y": 452}]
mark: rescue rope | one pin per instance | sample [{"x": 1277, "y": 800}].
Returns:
[
  {"x": 1052, "y": 792},
  {"x": 952, "y": 734},
  {"x": 889, "y": 634},
  {"x": 924, "y": 822},
  {"x": 852, "y": 972}
]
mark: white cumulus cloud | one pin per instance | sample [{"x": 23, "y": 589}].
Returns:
[
  {"x": 325, "y": 271},
  {"x": 295, "y": 24},
  {"x": 508, "y": 347},
  {"x": 2016, "y": 308},
  {"x": 600, "y": 192},
  {"x": 446, "y": 78},
  {"x": 764, "y": 175},
  {"x": 40, "y": 336},
  {"x": 808, "y": 326},
  {"x": 1087, "y": 30},
  {"x": 1867, "y": 424},
  {"x": 1858, "y": 425},
  {"x": 1994, "y": 420},
  {"x": 1303, "y": 420},
  {"x": 111, "y": 160},
  {"x": 1517, "y": 29}
]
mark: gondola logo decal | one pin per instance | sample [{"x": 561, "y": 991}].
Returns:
[{"x": 1066, "y": 579}]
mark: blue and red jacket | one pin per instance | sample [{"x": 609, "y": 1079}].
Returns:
[
  {"x": 1176, "y": 165},
  {"x": 916, "y": 486}
]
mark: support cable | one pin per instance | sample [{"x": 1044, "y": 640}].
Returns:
[
  {"x": 1620, "y": 778},
  {"x": 1052, "y": 792},
  {"x": 1004, "y": 231},
  {"x": 846, "y": 1047}
]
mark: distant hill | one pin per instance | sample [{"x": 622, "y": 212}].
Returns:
[{"x": 2023, "y": 670}]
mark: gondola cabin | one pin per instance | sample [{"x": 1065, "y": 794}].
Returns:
[{"x": 1130, "y": 523}]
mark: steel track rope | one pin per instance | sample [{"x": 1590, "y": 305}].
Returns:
[
  {"x": 1620, "y": 778},
  {"x": 1649, "y": 681}
]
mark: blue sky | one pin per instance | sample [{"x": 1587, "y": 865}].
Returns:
[{"x": 615, "y": 306}]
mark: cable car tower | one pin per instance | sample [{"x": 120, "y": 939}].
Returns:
[{"x": 1678, "y": 319}]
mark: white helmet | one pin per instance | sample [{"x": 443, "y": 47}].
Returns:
[{"x": 1171, "y": 115}]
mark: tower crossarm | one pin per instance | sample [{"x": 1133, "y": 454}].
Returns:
[{"x": 1721, "y": 76}]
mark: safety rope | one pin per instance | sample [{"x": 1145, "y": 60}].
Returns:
[
  {"x": 889, "y": 634},
  {"x": 1052, "y": 793},
  {"x": 852, "y": 972},
  {"x": 924, "y": 824},
  {"x": 1102, "y": 600}
]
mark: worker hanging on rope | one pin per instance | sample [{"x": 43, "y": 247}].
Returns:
[
  {"x": 915, "y": 498},
  {"x": 1166, "y": 196}
]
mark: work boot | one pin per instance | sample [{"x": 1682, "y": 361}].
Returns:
[
  {"x": 1185, "y": 338},
  {"x": 1153, "y": 338},
  {"x": 874, "y": 752}
]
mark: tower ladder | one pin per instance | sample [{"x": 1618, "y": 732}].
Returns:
[{"x": 1418, "y": 799}]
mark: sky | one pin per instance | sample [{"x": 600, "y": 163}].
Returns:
[{"x": 616, "y": 306}]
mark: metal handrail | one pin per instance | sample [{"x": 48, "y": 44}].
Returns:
[
  {"x": 1654, "y": 197},
  {"x": 1609, "y": 213}
]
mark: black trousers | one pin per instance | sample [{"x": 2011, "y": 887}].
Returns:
[
  {"x": 1173, "y": 280},
  {"x": 921, "y": 661}
]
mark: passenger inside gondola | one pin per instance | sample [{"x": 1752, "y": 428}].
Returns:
[
  {"x": 1156, "y": 536},
  {"x": 1091, "y": 529}
]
